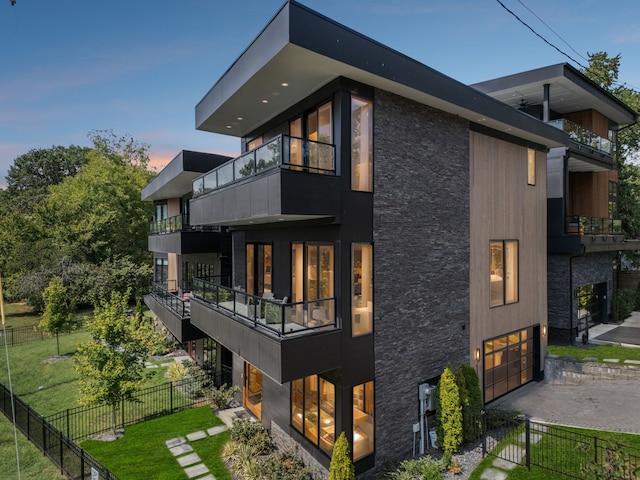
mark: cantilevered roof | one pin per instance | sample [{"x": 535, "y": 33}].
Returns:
[
  {"x": 300, "y": 50},
  {"x": 570, "y": 91},
  {"x": 175, "y": 179}
]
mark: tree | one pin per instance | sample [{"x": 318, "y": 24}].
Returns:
[
  {"x": 341, "y": 467},
  {"x": 58, "y": 315},
  {"x": 470, "y": 401},
  {"x": 111, "y": 365},
  {"x": 448, "y": 413}
]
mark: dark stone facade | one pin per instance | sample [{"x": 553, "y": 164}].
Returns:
[{"x": 421, "y": 241}]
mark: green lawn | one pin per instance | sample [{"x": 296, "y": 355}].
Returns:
[
  {"x": 20, "y": 315},
  {"x": 33, "y": 465},
  {"x": 597, "y": 351},
  {"x": 564, "y": 451},
  {"x": 141, "y": 454}
]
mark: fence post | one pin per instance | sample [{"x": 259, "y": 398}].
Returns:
[
  {"x": 122, "y": 403},
  {"x": 528, "y": 442},
  {"x": 61, "y": 453},
  {"x": 68, "y": 435},
  {"x": 595, "y": 450},
  {"x": 28, "y": 422},
  {"x": 44, "y": 435},
  {"x": 171, "y": 397},
  {"x": 483, "y": 415},
  {"x": 82, "y": 464}
]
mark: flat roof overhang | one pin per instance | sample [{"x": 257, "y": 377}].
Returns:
[
  {"x": 569, "y": 91},
  {"x": 300, "y": 50},
  {"x": 175, "y": 180}
]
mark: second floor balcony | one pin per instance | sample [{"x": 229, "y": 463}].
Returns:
[
  {"x": 285, "y": 179},
  {"x": 178, "y": 223},
  {"x": 284, "y": 340},
  {"x": 176, "y": 235},
  {"x": 576, "y": 224},
  {"x": 585, "y": 138}
]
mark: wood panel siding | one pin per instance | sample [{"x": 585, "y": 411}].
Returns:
[
  {"x": 591, "y": 120},
  {"x": 589, "y": 193},
  {"x": 504, "y": 207},
  {"x": 173, "y": 207}
]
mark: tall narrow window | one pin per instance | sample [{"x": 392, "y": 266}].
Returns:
[
  {"x": 320, "y": 129},
  {"x": 362, "y": 306},
  {"x": 361, "y": 145},
  {"x": 504, "y": 272},
  {"x": 613, "y": 200},
  {"x": 363, "y": 424},
  {"x": 313, "y": 410},
  {"x": 255, "y": 143},
  {"x": 252, "y": 392},
  {"x": 259, "y": 268},
  {"x": 296, "y": 143},
  {"x": 531, "y": 166}
]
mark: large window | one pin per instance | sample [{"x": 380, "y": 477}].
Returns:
[
  {"x": 313, "y": 410},
  {"x": 252, "y": 392},
  {"x": 362, "y": 306},
  {"x": 311, "y": 272},
  {"x": 320, "y": 129},
  {"x": 161, "y": 270},
  {"x": 363, "y": 420},
  {"x": 504, "y": 272},
  {"x": 361, "y": 145},
  {"x": 508, "y": 363},
  {"x": 259, "y": 266}
]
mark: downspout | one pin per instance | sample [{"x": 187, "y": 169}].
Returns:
[{"x": 545, "y": 104}]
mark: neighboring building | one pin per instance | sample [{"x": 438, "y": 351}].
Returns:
[
  {"x": 181, "y": 251},
  {"x": 386, "y": 221},
  {"x": 584, "y": 230}
]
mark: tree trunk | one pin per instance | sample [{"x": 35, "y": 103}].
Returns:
[{"x": 58, "y": 343}]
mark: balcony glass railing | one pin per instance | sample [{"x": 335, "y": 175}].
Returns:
[
  {"x": 179, "y": 223},
  {"x": 273, "y": 315},
  {"x": 177, "y": 304},
  {"x": 281, "y": 152},
  {"x": 584, "y": 136},
  {"x": 593, "y": 226}
]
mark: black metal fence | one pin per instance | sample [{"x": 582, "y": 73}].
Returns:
[
  {"x": 18, "y": 335},
  {"x": 72, "y": 460},
  {"x": 517, "y": 439},
  {"x": 82, "y": 422}
]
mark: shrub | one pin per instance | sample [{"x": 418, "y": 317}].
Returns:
[
  {"x": 448, "y": 413},
  {"x": 623, "y": 303},
  {"x": 248, "y": 432},
  {"x": 184, "y": 369},
  {"x": 470, "y": 401},
  {"x": 426, "y": 468},
  {"x": 285, "y": 465},
  {"x": 221, "y": 397},
  {"x": 341, "y": 467}
]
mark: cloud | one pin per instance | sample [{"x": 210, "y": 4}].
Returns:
[{"x": 627, "y": 36}]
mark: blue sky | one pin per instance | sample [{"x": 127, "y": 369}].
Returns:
[{"x": 137, "y": 67}]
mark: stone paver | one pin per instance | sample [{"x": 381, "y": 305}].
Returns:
[
  {"x": 533, "y": 438},
  {"x": 180, "y": 449},
  {"x": 590, "y": 359},
  {"x": 216, "y": 430},
  {"x": 634, "y": 362},
  {"x": 208, "y": 477},
  {"x": 174, "y": 442},
  {"x": 196, "y": 470},
  {"x": 611, "y": 360},
  {"x": 509, "y": 458},
  {"x": 187, "y": 460},
  {"x": 197, "y": 435},
  {"x": 493, "y": 474}
]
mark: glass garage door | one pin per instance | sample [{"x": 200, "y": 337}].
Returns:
[{"x": 508, "y": 363}]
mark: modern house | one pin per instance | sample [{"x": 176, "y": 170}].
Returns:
[
  {"x": 385, "y": 221},
  {"x": 182, "y": 251},
  {"x": 584, "y": 231}
]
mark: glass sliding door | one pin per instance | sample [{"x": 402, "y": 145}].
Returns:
[
  {"x": 259, "y": 268},
  {"x": 252, "y": 391}
]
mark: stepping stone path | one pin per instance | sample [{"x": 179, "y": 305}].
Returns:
[
  {"x": 510, "y": 457},
  {"x": 187, "y": 458}
]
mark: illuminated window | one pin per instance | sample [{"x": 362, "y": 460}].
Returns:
[
  {"x": 531, "y": 168},
  {"x": 504, "y": 272},
  {"x": 252, "y": 392},
  {"x": 313, "y": 410},
  {"x": 363, "y": 431},
  {"x": 361, "y": 145},
  {"x": 362, "y": 306}
]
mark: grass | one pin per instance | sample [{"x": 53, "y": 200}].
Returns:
[
  {"x": 20, "y": 315},
  {"x": 142, "y": 454},
  {"x": 564, "y": 450},
  {"x": 33, "y": 464},
  {"x": 597, "y": 351}
]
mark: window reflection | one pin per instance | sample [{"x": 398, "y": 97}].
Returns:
[
  {"x": 361, "y": 145},
  {"x": 313, "y": 410},
  {"x": 363, "y": 420},
  {"x": 362, "y": 307}
]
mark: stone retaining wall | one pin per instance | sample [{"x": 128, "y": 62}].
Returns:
[{"x": 564, "y": 371}]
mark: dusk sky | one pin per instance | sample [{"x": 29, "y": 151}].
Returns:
[{"x": 138, "y": 67}]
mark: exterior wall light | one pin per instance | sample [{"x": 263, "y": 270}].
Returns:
[
  {"x": 544, "y": 330},
  {"x": 477, "y": 355}
]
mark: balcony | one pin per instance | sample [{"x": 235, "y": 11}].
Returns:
[
  {"x": 173, "y": 311},
  {"x": 285, "y": 179},
  {"x": 177, "y": 235},
  {"x": 284, "y": 340},
  {"x": 584, "y": 138}
]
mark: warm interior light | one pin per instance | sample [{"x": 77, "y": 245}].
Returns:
[
  {"x": 477, "y": 355},
  {"x": 544, "y": 330},
  {"x": 356, "y": 437},
  {"x": 284, "y": 84},
  {"x": 265, "y": 101}
]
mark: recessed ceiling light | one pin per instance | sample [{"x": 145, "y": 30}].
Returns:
[
  {"x": 284, "y": 84},
  {"x": 228, "y": 126},
  {"x": 240, "y": 118},
  {"x": 265, "y": 101}
]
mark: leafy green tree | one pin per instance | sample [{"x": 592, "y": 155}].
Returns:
[
  {"x": 448, "y": 413},
  {"x": 58, "y": 315},
  {"x": 470, "y": 401},
  {"x": 341, "y": 467},
  {"x": 111, "y": 365}
]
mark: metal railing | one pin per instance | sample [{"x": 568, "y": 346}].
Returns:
[
  {"x": 283, "y": 151},
  {"x": 174, "y": 302},
  {"x": 18, "y": 335},
  {"x": 593, "y": 225},
  {"x": 179, "y": 223},
  {"x": 273, "y": 315},
  {"x": 584, "y": 136}
]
